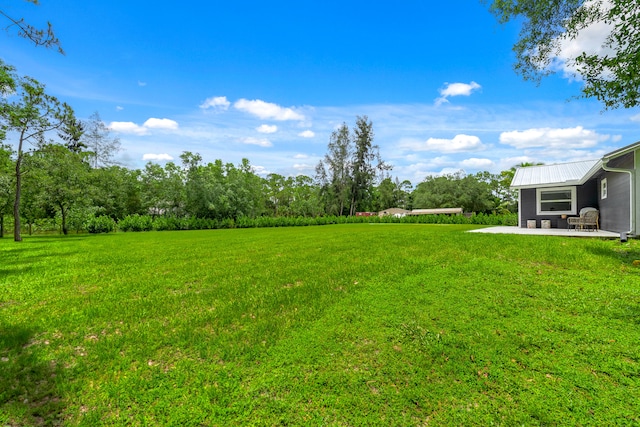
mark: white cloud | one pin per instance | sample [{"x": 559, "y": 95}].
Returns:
[
  {"x": 509, "y": 162},
  {"x": 260, "y": 170},
  {"x": 435, "y": 166},
  {"x": 635, "y": 118},
  {"x": 561, "y": 155},
  {"x": 134, "y": 129},
  {"x": 417, "y": 172},
  {"x": 301, "y": 156},
  {"x": 459, "y": 143},
  {"x": 142, "y": 84},
  {"x": 128, "y": 127},
  {"x": 474, "y": 163},
  {"x": 267, "y": 110},
  {"x": 217, "y": 102},
  {"x": 157, "y": 157},
  {"x": 119, "y": 108},
  {"x": 261, "y": 142},
  {"x": 307, "y": 134},
  {"x": 166, "y": 124},
  {"x": 447, "y": 171},
  {"x": 267, "y": 128},
  {"x": 590, "y": 40},
  {"x": 459, "y": 89},
  {"x": 456, "y": 89},
  {"x": 303, "y": 167},
  {"x": 564, "y": 138}
]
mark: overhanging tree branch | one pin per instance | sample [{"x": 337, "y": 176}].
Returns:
[
  {"x": 610, "y": 71},
  {"x": 44, "y": 37}
]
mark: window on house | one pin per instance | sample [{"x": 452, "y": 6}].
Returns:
[
  {"x": 556, "y": 201},
  {"x": 603, "y": 188}
]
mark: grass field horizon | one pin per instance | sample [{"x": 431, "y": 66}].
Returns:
[{"x": 334, "y": 325}]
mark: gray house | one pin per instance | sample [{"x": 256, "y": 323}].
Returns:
[{"x": 610, "y": 184}]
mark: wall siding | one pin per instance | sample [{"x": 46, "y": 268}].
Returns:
[
  {"x": 614, "y": 210},
  {"x": 635, "y": 230},
  {"x": 586, "y": 194},
  {"x": 615, "y": 214}
]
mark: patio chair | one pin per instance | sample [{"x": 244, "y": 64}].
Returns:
[{"x": 588, "y": 220}]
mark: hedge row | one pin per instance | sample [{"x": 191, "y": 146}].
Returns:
[{"x": 105, "y": 224}]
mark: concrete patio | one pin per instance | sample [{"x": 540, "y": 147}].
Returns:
[{"x": 547, "y": 232}]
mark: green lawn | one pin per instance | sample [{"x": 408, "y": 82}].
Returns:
[{"x": 342, "y": 325}]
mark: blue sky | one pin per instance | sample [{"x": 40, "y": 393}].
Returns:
[{"x": 270, "y": 81}]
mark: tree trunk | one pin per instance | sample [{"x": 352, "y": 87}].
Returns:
[
  {"x": 1, "y": 226},
  {"x": 16, "y": 205},
  {"x": 63, "y": 213},
  {"x": 352, "y": 208}
]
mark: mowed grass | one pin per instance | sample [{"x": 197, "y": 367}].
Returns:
[{"x": 342, "y": 325}]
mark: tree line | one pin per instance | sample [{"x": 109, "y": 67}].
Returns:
[
  {"x": 62, "y": 168},
  {"x": 61, "y": 185}
]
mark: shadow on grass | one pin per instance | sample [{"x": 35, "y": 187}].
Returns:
[
  {"x": 627, "y": 253},
  {"x": 20, "y": 259},
  {"x": 46, "y": 238},
  {"x": 28, "y": 391}
]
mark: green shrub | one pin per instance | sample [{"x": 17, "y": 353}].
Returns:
[
  {"x": 162, "y": 223},
  {"x": 136, "y": 223},
  {"x": 170, "y": 223},
  {"x": 100, "y": 224}
]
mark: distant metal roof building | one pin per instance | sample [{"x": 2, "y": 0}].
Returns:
[
  {"x": 397, "y": 212},
  {"x": 574, "y": 173},
  {"x": 437, "y": 211}
]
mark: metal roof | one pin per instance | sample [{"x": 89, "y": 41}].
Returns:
[
  {"x": 436, "y": 211},
  {"x": 574, "y": 173}
]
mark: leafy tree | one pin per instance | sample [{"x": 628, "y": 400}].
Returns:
[
  {"x": 470, "y": 192},
  {"x": 32, "y": 205},
  {"x": 279, "y": 192},
  {"x": 321, "y": 181},
  {"x": 71, "y": 133},
  {"x": 153, "y": 177},
  {"x": 405, "y": 190},
  {"x": 364, "y": 170},
  {"x": 116, "y": 191},
  {"x": 163, "y": 189},
  {"x": 508, "y": 198},
  {"x": 305, "y": 200},
  {"x": 64, "y": 180},
  {"x": 221, "y": 191},
  {"x": 6, "y": 184},
  {"x": 244, "y": 190},
  {"x": 348, "y": 171},
  {"x": 334, "y": 173},
  {"x": 205, "y": 187},
  {"x": 174, "y": 189},
  {"x": 39, "y": 36},
  {"x": 612, "y": 77},
  {"x": 291, "y": 196},
  {"x": 387, "y": 194},
  {"x": 195, "y": 190},
  {"x": 97, "y": 138},
  {"x": 31, "y": 114}
]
